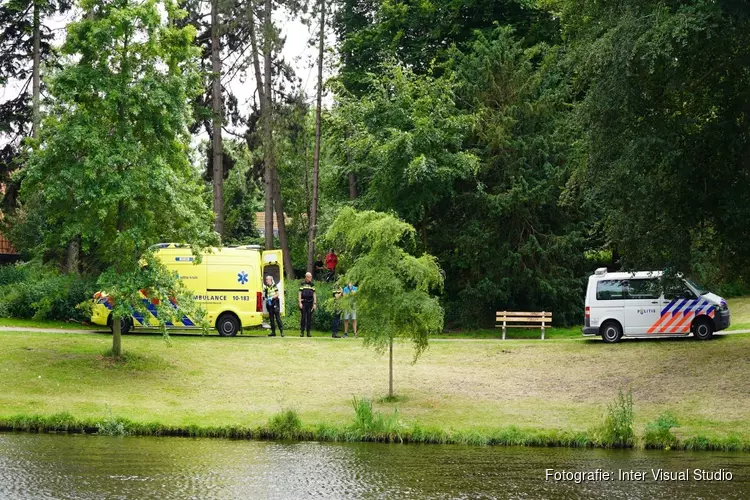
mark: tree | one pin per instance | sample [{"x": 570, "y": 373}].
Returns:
[
  {"x": 264, "y": 85},
  {"x": 24, "y": 46},
  {"x": 419, "y": 34},
  {"x": 316, "y": 155},
  {"x": 113, "y": 167},
  {"x": 404, "y": 140},
  {"x": 217, "y": 109},
  {"x": 395, "y": 297},
  {"x": 665, "y": 120}
]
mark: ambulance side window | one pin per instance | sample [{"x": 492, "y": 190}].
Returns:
[{"x": 611, "y": 289}]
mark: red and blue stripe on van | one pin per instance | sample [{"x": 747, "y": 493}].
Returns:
[{"x": 678, "y": 315}]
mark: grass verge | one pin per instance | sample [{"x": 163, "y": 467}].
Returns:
[{"x": 367, "y": 426}]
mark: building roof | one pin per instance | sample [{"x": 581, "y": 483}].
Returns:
[{"x": 260, "y": 223}]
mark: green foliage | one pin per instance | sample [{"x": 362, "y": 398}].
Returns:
[
  {"x": 241, "y": 197},
  {"x": 16, "y": 62},
  {"x": 514, "y": 239},
  {"x": 112, "y": 170},
  {"x": 417, "y": 33},
  {"x": 617, "y": 429},
  {"x": 658, "y": 434},
  {"x": 663, "y": 125},
  {"x": 39, "y": 292},
  {"x": 403, "y": 140},
  {"x": 395, "y": 288},
  {"x": 368, "y": 425}
]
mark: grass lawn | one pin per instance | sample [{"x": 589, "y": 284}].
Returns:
[
  {"x": 556, "y": 384},
  {"x": 739, "y": 307}
]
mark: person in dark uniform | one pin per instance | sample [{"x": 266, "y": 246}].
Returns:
[
  {"x": 273, "y": 305},
  {"x": 319, "y": 268},
  {"x": 308, "y": 302},
  {"x": 337, "y": 292}
]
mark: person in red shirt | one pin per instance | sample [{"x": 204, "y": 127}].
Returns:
[{"x": 332, "y": 261}]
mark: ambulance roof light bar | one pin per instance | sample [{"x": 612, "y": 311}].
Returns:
[{"x": 602, "y": 271}]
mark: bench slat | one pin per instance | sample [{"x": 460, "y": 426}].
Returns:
[
  {"x": 536, "y": 327},
  {"x": 525, "y": 320},
  {"x": 513, "y": 313}
]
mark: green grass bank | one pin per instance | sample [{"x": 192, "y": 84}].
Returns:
[{"x": 482, "y": 392}]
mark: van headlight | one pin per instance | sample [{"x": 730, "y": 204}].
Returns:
[{"x": 723, "y": 306}]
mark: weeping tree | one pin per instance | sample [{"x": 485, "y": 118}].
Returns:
[
  {"x": 396, "y": 289},
  {"x": 113, "y": 167}
]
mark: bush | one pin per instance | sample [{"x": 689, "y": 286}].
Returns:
[
  {"x": 617, "y": 429},
  {"x": 658, "y": 434},
  {"x": 10, "y": 274},
  {"x": 35, "y": 291}
]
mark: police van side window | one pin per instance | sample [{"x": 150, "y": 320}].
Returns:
[
  {"x": 677, "y": 291},
  {"x": 643, "y": 289},
  {"x": 611, "y": 289}
]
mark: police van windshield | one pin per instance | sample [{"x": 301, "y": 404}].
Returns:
[{"x": 696, "y": 288}]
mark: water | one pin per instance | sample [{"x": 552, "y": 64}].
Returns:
[{"x": 61, "y": 466}]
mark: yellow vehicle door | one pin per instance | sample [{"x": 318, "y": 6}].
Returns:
[{"x": 273, "y": 265}]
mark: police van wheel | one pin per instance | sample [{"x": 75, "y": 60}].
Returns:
[
  {"x": 703, "y": 329},
  {"x": 228, "y": 325},
  {"x": 611, "y": 332},
  {"x": 125, "y": 325}
]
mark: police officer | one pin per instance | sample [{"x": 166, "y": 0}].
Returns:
[
  {"x": 308, "y": 302},
  {"x": 273, "y": 306}
]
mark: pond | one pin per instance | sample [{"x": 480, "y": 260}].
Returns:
[{"x": 75, "y": 466}]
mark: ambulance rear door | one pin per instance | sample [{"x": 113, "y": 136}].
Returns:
[{"x": 272, "y": 265}]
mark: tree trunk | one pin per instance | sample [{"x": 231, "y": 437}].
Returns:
[
  {"x": 281, "y": 223},
  {"x": 116, "y": 336},
  {"x": 267, "y": 119},
  {"x": 71, "y": 259},
  {"x": 390, "y": 370},
  {"x": 352, "y": 186},
  {"x": 35, "y": 86},
  {"x": 313, "y": 222},
  {"x": 217, "y": 144}
]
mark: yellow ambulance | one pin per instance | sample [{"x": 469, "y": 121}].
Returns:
[{"x": 227, "y": 283}]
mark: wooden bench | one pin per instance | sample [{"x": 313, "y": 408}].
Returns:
[{"x": 510, "y": 319}]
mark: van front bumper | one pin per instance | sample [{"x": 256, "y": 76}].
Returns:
[{"x": 722, "y": 320}]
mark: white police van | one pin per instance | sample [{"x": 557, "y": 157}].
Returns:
[{"x": 637, "y": 305}]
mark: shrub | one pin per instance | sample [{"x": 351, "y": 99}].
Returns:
[
  {"x": 617, "y": 428},
  {"x": 11, "y": 273},
  {"x": 38, "y": 292},
  {"x": 658, "y": 434}
]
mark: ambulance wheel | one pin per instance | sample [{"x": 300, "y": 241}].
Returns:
[
  {"x": 228, "y": 325},
  {"x": 703, "y": 329},
  {"x": 125, "y": 325},
  {"x": 611, "y": 332}
]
